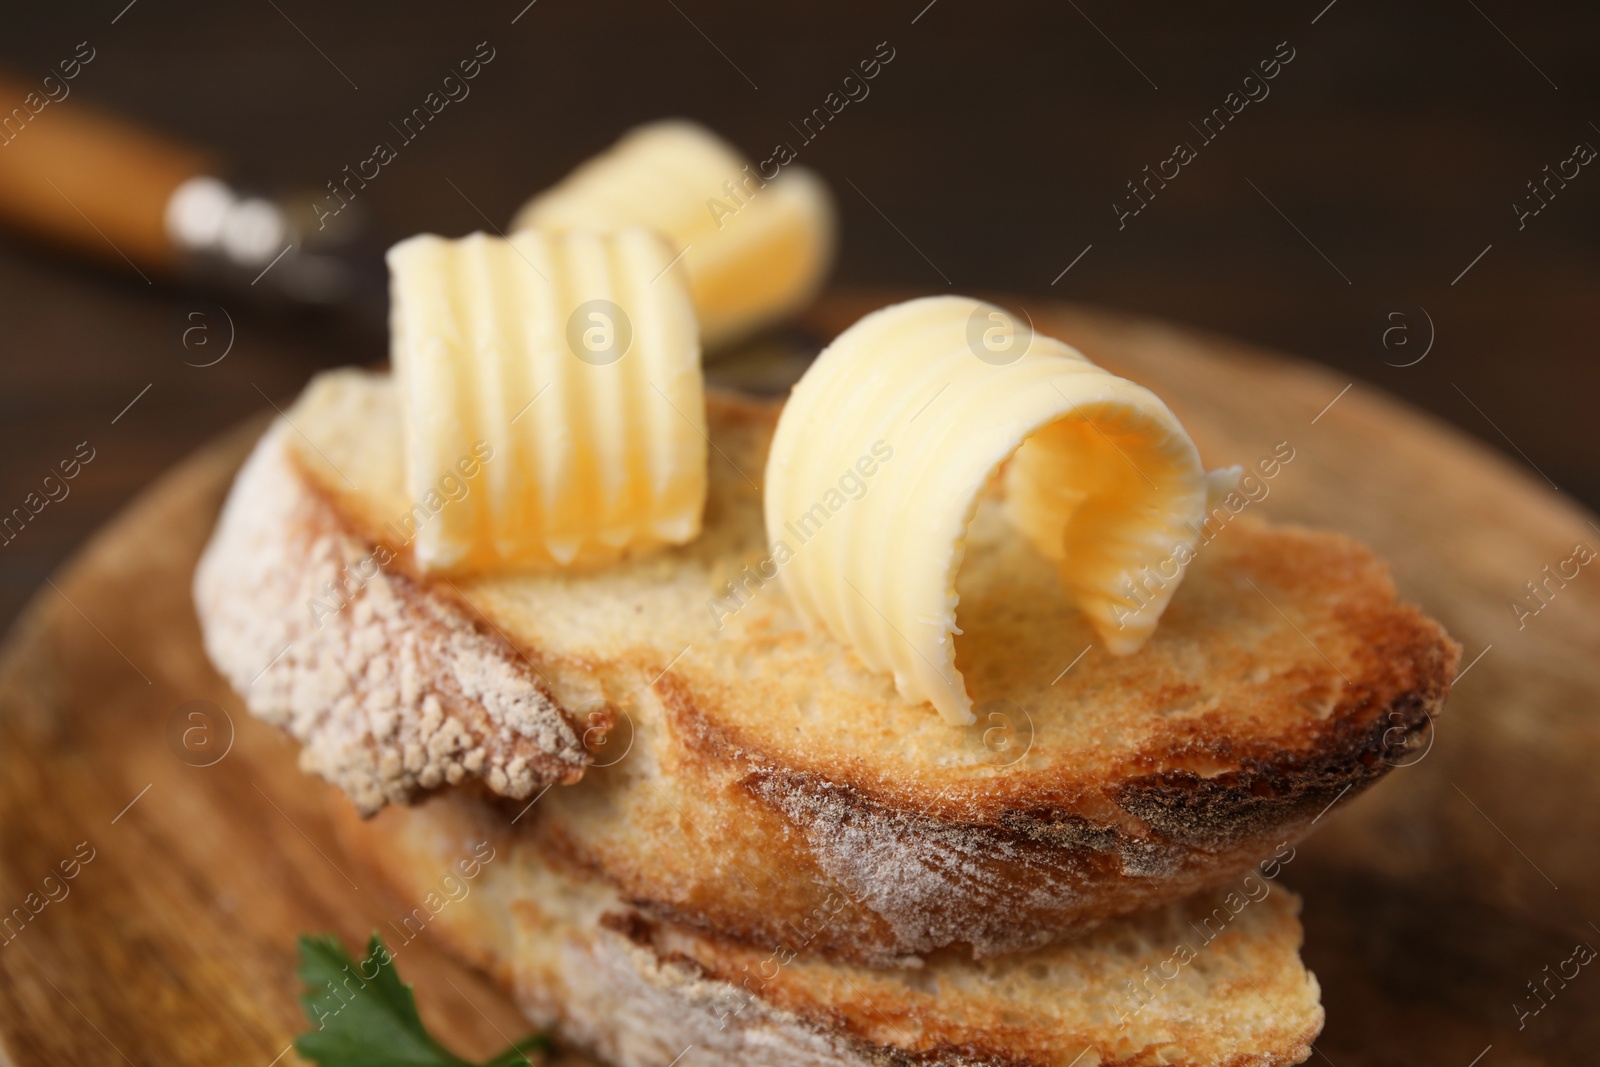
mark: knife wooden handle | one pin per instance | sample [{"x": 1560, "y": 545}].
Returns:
[{"x": 87, "y": 181}]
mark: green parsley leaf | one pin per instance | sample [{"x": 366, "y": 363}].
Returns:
[{"x": 363, "y": 1015}]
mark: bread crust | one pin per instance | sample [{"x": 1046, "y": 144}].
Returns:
[
  {"x": 733, "y": 812},
  {"x": 392, "y": 689},
  {"x": 640, "y": 992}
]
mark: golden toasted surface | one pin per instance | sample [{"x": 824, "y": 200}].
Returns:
[
  {"x": 1215, "y": 979},
  {"x": 1276, "y": 636},
  {"x": 756, "y": 771}
]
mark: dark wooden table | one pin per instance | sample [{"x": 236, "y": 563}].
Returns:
[{"x": 987, "y": 156}]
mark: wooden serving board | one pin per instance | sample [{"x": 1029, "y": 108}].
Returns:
[{"x": 1431, "y": 902}]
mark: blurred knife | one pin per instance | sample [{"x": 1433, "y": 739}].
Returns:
[{"x": 100, "y": 186}]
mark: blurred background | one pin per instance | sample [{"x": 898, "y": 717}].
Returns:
[{"x": 1380, "y": 177}]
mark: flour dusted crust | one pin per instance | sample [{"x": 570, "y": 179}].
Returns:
[
  {"x": 766, "y": 778},
  {"x": 639, "y": 992},
  {"x": 396, "y": 691}
]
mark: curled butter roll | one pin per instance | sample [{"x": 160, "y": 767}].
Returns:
[
  {"x": 919, "y": 404},
  {"x": 551, "y": 396},
  {"x": 757, "y": 239}
]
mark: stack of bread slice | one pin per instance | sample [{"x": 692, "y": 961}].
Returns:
[{"x": 718, "y": 839}]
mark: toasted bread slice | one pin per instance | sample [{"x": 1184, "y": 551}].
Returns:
[
  {"x": 1213, "y": 980},
  {"x": 746, "y": 771}
]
